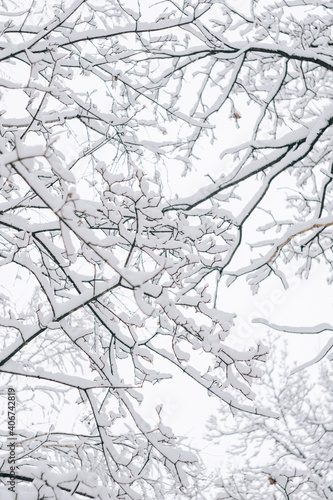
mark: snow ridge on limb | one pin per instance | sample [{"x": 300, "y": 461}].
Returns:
[
  {"x": 311, "y": 330},
  {"x": 308, "y": 330},
  {"x": 289, "y": 150}
]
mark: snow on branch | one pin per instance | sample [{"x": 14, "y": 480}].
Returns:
[{"x": 114, "y": 265}]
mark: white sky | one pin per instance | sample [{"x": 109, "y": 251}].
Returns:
[{"x": 186, "y": 406}]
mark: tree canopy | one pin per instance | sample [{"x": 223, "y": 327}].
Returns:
[
  {"x": 121, "y": 266},
  {"x": 286, "y": 459}
]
